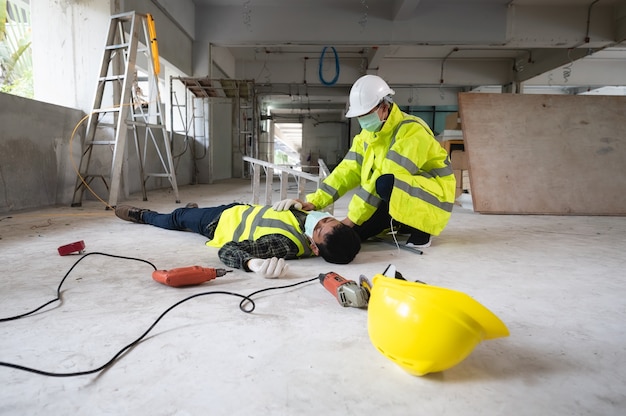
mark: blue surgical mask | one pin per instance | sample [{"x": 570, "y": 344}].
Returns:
[
  {"x": 370, "y": 122},
  {"x": 312, "y": 219}
]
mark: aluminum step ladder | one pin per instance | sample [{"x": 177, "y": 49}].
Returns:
[{"x": 119, "y": 107}]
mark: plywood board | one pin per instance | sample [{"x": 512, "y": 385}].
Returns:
[{"x": 545, "y": 154}]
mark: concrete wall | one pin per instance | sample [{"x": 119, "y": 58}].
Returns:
[
  {"x": 68, "y": 40},
  {"x": 35, "y": 153},
  {"x": 39, "y": 157},
  {"x": 324, "y": 139}
]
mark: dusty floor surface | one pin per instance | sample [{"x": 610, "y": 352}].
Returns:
[{"x": 558, "y": 283}]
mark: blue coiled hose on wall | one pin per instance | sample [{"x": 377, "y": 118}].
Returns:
[{"x": 321, "y": 66}]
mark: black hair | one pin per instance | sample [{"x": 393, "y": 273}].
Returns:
[{"x": 341, "y": 245}]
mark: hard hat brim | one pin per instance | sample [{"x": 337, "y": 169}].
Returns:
[{"x": 354, "y": 113}]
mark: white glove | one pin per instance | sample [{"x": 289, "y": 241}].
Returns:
[
  {"x": 285, "y": 204},
  {"x": 268, "y": 268}
]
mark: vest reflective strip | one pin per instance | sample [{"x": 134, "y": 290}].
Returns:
[
  {"x": 334, "y": 194},
  {"x": 273, "y": 223},
  {"x": 405, "y": 162},
  {"x": 369, "y": 198},
  {"x": 242, "y": 225},
  {"x": 412, "y": 168},
  {"x": 423, "y": 195},
  {"x": 443, "y": 171},
  {"x": 358, "y": 158},
  {"x": 403, "y": 122}
]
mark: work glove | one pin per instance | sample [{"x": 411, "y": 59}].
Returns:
[
  {"x": 285, "y": 204},
  {"x": 268, "y": 268}
]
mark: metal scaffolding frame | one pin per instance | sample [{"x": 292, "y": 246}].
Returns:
[{"x": 243, "y": 93}]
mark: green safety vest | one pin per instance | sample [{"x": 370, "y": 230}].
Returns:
[{"x": 250, "y": 222}]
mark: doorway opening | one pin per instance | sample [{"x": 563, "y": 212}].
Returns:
[{"x": 288, "y": 144}]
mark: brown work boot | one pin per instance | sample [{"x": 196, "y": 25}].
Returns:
[{"x": 128, "y": 213}]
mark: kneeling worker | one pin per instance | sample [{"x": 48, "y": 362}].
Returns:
[
  {"x": 258, "y": 238},
  {"x": 398, "y": 168}
]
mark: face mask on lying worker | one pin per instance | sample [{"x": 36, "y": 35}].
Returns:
[{"x": 312, "y": 219}]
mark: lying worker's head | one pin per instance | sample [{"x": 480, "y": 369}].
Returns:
[{"x": 334, "y": 241}]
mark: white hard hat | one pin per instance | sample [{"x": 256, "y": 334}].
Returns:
[{"x": 366, "y": 93}]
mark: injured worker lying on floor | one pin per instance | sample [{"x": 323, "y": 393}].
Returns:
[{"x": 257, "y": 238}]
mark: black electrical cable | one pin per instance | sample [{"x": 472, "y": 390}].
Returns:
[
  {"x": 58, "y": 298},
  {"x": 244, "y": 299},
  {"x": 249, "y": 297}
]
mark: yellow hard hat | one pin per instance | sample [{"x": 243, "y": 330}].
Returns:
[{"x": 424, "y": 328}]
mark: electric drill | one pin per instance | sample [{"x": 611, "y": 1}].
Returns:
[
  {"x": 187, "y": 276},
  {"x": 347, "y": 292}
]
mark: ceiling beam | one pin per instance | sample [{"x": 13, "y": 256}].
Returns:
[
  {"x": 403, "y": 9},
  {"x": 374, "y": 57},
  {"x": 544, "y": 60}
]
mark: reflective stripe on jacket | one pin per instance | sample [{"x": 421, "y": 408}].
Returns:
[
  {"x": 250, "y": 222},
  {"x": 424, "y": 186}
]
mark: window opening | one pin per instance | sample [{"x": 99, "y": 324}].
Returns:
[{"x": 16, "y": 63}]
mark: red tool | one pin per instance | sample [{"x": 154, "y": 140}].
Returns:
[
  {"x": 187, "y": 276},
  {"x": 76, "y": 247},
  {"x": 347, "y": 292}
]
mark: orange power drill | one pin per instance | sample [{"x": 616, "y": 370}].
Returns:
[{"x": 187, "y": 276}]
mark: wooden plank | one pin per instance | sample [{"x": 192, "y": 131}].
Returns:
[{"x": 545, "y": 154}]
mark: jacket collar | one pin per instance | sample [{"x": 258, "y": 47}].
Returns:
[{"x": 385, "y": 133}]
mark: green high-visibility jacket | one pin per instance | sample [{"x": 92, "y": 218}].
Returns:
[
  {"x": 250, "y": 222},
  {"x": 424, "y": 187}
]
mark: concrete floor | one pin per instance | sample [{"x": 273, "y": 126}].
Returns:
[{"x": 556, "y": 282}]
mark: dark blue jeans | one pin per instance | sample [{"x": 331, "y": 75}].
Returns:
[{"x": 186, "y": 219}]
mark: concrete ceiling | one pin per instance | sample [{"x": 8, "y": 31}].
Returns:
[{"x": 441, "y": 45}]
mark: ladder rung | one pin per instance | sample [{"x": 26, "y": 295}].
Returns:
[
  {"x": 117, "y": 46},
  {"x": 143, "y": 124},
  {"x": 106, "y": 110},
  {"x": 112, "y": 78},
  {"x": 123, "y": 16},
  {"x": 100, "y": 142},
  {"x": 101, "y": 124},
  {"x": 159, "y": 175}
]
